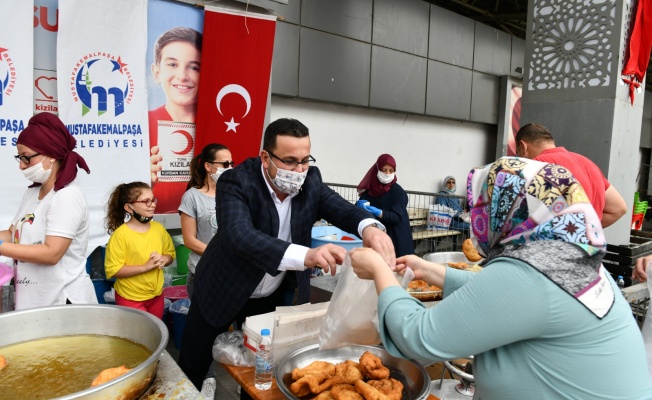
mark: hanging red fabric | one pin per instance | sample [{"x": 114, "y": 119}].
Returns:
[{"x": 640, "y": 45}]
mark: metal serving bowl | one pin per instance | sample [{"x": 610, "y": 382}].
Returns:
[
  {"x": 127, "y": 323},
  {"x": 414, "y": 377}
]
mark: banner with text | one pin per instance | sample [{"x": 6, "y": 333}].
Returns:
[
  {"x": 16, "y": 71},
  {"x": 103, "y": 96},
  {"x": 46, "y": 25},
  {"x": 173, "y": 65},
  {"x": 233, "y": 96}
]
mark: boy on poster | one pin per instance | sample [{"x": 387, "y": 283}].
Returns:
[{"x": 175, "y": 67}]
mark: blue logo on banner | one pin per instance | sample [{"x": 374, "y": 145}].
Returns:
[
  {"x": 8, "y": 79},
  {"x": 103, "y": 84}
]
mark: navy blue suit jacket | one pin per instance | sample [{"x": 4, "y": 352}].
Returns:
[{"x": 246, "y": 246}]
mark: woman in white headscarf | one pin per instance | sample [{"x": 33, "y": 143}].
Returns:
[{"x": 448, "y": 187}]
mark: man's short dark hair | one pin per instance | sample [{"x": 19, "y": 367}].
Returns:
[
  {"x": 283, "y": 127},
  {"x": 534, "y": 134}
]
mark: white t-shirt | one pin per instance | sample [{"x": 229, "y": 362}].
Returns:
[{"x": 65, "y": 214}]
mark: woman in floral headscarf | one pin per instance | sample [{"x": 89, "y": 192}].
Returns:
[{"x": 543, "y": 318}]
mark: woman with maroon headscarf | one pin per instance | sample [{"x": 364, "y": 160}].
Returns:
[
  {"x": 387, "y": 201},
  {"x": 48, "y": 236}
]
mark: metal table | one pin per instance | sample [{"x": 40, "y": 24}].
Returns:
[{"x": 170, "y": 382}]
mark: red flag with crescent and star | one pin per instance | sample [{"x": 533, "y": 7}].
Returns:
[
  {"x": 235, "y": 75},
  {"x": 639, "y": 46}
]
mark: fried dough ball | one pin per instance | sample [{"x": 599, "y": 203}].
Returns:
[
  {"x": 327, "y": 395},
  {"x": 373, "y": 367},
  {"x": 317, "y": 367},
  {"x": 349, "y": 371},
  {"x": 369, "y": 392},
  {"x": 458, "y": 265},
  {"x": 470, "y": 252},
  {"x": 308, "y": 384},
  {"x": 391, "y": 387},
  {"x": 345, "y": 392},
  {"x": 109, "y": 374},
  {"x": 417, "y": 284}
]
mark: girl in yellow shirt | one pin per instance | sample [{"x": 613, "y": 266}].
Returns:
[{"x": 138, "y": 249}]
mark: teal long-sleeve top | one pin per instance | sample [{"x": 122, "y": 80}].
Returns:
[{"x": 531, "y": 339}]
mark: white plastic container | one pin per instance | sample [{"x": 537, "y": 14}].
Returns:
[{"x": 291, "y": 328}]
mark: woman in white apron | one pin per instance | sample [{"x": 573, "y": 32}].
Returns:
[{"x": 48, "y": 235}]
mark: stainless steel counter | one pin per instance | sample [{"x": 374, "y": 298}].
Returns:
[
  {"x": 636, "y": 293},
  {"x": 170, "y": 383}
]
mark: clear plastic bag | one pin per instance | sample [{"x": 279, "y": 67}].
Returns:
[
  {"x": 466, "y": 217},
  {"x": 352, "y": 316},
  {"x": 229, "y": 349}
]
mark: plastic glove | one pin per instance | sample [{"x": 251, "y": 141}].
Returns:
[
  {"x": 362, "y": 203},
  {"x": 375, "y": 211}
]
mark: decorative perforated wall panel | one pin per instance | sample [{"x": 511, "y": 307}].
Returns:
[{"x": 575, "y": 44}]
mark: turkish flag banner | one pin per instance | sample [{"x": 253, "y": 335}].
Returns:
[
  {"x": 639, "y": 46},
  {"x": 235, "y": 75}
]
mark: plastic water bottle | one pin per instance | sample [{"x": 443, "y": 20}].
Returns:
[
  {"x": 263, "y": 376},
  {"x": 620, "y": 282}
]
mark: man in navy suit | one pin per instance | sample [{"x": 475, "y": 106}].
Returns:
[{"x": 266, "y": 208}]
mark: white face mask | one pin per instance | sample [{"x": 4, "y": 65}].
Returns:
[
  {"x": 288, "y": 182},
  {"x": 36, "y": 173},
  {"x": 218, "y": 173},
  {"x": 385, "y": 178}
]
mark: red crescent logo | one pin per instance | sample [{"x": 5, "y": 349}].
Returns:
[{"x": 189, "y": 146}]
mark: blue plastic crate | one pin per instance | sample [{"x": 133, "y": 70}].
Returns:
[{"x": 320, "y": 237}]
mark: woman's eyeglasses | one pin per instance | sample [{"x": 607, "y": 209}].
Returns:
[
  {"x": 25, "y": 159},
  {"x": 224, "y": 164},
  {"x": 148, "y": 202}
]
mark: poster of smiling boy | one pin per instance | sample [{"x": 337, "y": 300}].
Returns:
[{"x": 174, "y": 53}]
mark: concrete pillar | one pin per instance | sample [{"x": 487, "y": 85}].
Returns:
[{"x": 574, "y": 52}]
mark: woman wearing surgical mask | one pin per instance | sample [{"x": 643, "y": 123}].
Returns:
[
  {"x": 387, "y": 201},
  {"x": 197, "y": 209},
  {"x": 448, "y": 187},
  {"x": 48, "y": 236}
]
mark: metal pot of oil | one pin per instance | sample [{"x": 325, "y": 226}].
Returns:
[{"x": 56, "y": 352}]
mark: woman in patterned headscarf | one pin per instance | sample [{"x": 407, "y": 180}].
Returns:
[
  {"x": 48, "y": 236},
  {"x": 543, "y": 318}
]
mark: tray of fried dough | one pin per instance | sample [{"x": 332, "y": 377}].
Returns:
[
  {"x": 424, "y": 291},
  {"x": 370, "y": 371},
  {"x": 453, "y": 259}
]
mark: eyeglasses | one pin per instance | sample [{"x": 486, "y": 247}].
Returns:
[
  {"x": 224, "y": 164},
  {"x": 450, "y": 182},
  {"x": 292, "y": 163},
  {"x": 25, "y": 159},
  {"x": 148, "y": 202}
]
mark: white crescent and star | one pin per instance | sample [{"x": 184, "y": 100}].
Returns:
[{"x": 237, "y": 89}]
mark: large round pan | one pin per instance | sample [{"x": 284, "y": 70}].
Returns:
[
  {"x": 414, "y": 377},
  {"x": 128, "y": 323}
]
